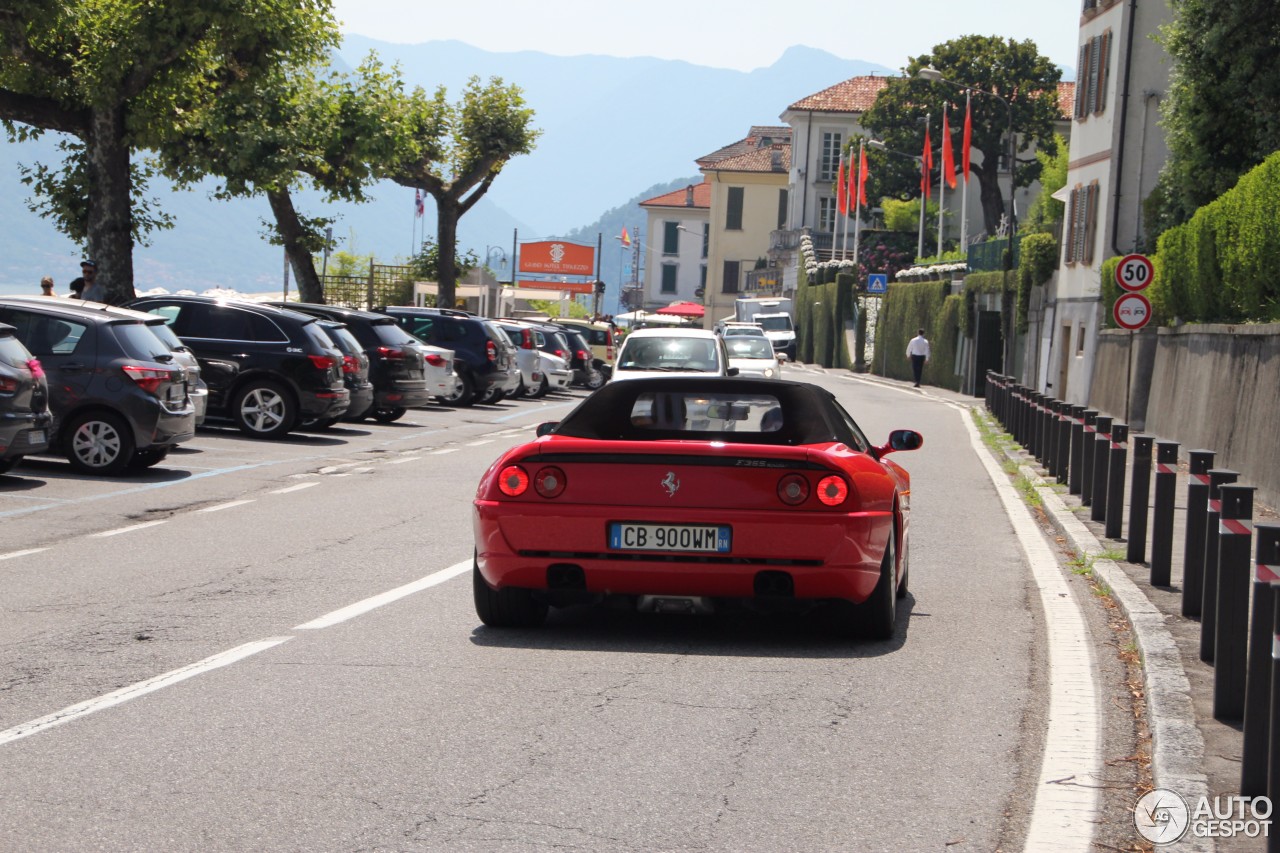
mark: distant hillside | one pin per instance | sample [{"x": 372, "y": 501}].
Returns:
[{"x": 613, "y": 129}]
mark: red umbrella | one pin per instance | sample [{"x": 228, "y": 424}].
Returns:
[{"x": 683, "y": 309}]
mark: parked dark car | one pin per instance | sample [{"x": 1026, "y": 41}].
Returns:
[
  {"x": 398, "y": 370},
  {"x": 268, "y": 369},
  {"x": 483, "y": 358},
  {"x": 117, "y": 396},
  {"x": 24, "y": 402},
  {"x": 355, "y": 372},
  {"x": 585, "y": 371}
]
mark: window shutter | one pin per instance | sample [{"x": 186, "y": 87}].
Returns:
[
  {"x": 1069, "y": 244},
  {"x": 1104, "y": 70},
  {"x": 1091, "y": 223},
  {"x": 669, "y": 278},
  {"x": 671, "y": 238},
  {"x": 1095, "y": 66},
  {"x": 1082, "y": 86},
  {"x": 730, "y": 282},
  {"x": 782, "y": 209},
  {"x": 733, "y": 214}
]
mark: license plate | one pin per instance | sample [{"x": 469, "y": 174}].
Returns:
[
  {"x": 35, "y": 436},
  {"x": 695, "y": 538}
]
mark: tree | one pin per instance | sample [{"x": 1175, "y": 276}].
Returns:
[
  {"x": 1222, "y": 115},
  {"x": 115, "y": 74},
  {"x": 1046, "y": 210},
  {"x": 460, "y": 149},
  {"x": 296, "y": 126},
  {"x": 1013, "y": 70}
]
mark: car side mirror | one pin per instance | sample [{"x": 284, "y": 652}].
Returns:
[
  {"x": 900, "y": 439},
  {"x": 732, "y": 371},
  {"x": 547, "y": 428}
]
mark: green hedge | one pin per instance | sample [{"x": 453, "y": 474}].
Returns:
[
  {"x": 1110, "y": 291},
  {"x": 1039, "y": 259},
  {"x": 1221, "y": 266},
  {"x": 911, "y": 306},
  {"x": 975, "y": 283}
]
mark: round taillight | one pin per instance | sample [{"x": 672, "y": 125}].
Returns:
[
  {"x": 513, "y": 481},
  {"x": 549, "y": 482},
  {"x": 832, "y": 490},
  {"x": 793, "y": 489}
]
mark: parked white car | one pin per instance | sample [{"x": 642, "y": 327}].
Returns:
[
  {"x": 753, "y": 355},
  {"x": 556, "y": 373},
  {"x": 672, "y": 352}
]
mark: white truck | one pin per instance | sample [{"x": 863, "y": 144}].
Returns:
[{"x": 774, "y": 316}]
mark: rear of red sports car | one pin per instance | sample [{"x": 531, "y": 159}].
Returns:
[{"x": 716, "y": 503}]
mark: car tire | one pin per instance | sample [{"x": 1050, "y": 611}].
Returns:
[
  {"x": 6, "y": 465},
  {"x": 543, "y": 388},
  {"x": 505, "y": 608},
  {"x": 148, "y": 457},
  {"x": 522, "y": 390},
  {"x": 319, "y": 424},
  {"x": 386, "y": 416},
  {"x": 595, "y": 380},
  {"x": 874, "y": 619},
  {"x": 465, "y": 394},
  {"x": 906, "y": 566},
  {"x": 264, "y": 409},
  {"x": 493, "y": 395},
  {"x": 99, "y": 443}
]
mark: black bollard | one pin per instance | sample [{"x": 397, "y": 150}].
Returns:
[
  {"x": 1077, "y": 445},
  {"x": 1086, "y": 455},
  {"x": 1193, "y": 546},
  {"x": 1253, "y": 767},
  {"x": 1037, "y": 425},
  {"x": 1101, "y": 456},
  {"x": 1116, "y": 465},
  {"x": 1231, "y": 641},
  {"x": 1162, "y": 515},
  {"x": 1139, "y": 497},
  {"x": 1218, "y": 477},
  {"x": 1064, "y": 443},
  {"x": 1051, "y": 438}
]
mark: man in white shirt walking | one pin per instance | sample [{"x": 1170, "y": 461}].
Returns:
[{"x": 918, "y": 350}]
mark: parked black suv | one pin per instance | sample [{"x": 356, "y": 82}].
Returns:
[
  {"x": 24, "y": 402},
  {"x": 483, "y": 357},
  {"x": 355, "y": 372},
  {"x": 267, "y": 369},
  {"x": 117, "y": 396},
  {"x": 396, "y": 368}
]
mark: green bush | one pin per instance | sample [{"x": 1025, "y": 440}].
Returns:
[
  {"x": 1110, "y": 291},
  {"x": 1039, "y": 259}
]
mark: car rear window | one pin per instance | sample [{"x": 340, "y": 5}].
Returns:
[
  {"x": 166, "y": 335},
  {"x": 12, "y": 352},
  {"x": 677, "y": 411},
  {"x": 390, "y": 334},
  {"x": 674, "y": 353},
  {"x": 745, "y": 346},
  {"x": 317, "y": 335},
  {"x": 138, "y": 341},
  {"x": 344, "y": 339}
]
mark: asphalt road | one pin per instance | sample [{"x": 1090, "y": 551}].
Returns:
[{"x": 403, "y": 724}]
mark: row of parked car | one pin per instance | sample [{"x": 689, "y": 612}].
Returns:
[{"x": 118, "y": 387}]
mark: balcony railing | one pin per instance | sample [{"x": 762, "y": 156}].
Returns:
[{"x": 765, "y": 282}]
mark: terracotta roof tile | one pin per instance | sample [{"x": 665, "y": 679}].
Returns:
[
  {"x": 1067, "y": 99},
  {"x": 855, "y": 95},
  {"x": 680, "y": 197},
  {"x": 774, "y": 159},
  {"x": 753, "y": 141}
]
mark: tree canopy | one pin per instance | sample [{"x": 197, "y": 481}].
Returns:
[
  {"x": 115, "y": 74},
  {"x": 1222, "y": 115},
  {"x": 1015, "y": 72}
]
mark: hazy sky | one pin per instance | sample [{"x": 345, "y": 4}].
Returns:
[{"x": 743, "y": 35}]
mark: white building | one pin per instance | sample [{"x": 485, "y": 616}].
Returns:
[{"x": 679, "y": 240}]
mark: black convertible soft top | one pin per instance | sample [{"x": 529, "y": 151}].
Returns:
[{"x": 809, "y": 414}]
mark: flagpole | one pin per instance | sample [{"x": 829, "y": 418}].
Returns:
[
  {"x": 924, "y": 191},
  {"x": 857, "y": 216},
  {"x": 844, "y": 214},
  {"x": 942, "y": 182},
  {"x": 964, "y": 193}
]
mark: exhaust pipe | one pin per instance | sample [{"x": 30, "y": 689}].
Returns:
[
  {"x": 774, "y": 584},
  {"x": 568, "y": 576}
]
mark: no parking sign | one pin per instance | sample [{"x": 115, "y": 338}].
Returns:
[{"x": 1132, "y": 311}]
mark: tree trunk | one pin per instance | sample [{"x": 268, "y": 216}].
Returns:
[
  {"x": 447, "y": 214},
  {"x": 110, "y": 221},
  {"x": 992, "y": 198},
  {"x": 292, "y": 234}
]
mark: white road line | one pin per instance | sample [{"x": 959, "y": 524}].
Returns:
[
  {"x": 299, "y": 487},
  {"x": 142, "y": 688},
  {"x": 130, "y": 528},
  {"x": 443, "y": 451},
  {"x": 354, "y": 471},
  {"x": 361, "y": 607},
  {"x": 227, "y": 505},
  {"x": 1063, "y": 817},
  {"x": 12, "y": 554},
  {"x": 479, "y": 443},
  {"x": 403, "y": 460}
]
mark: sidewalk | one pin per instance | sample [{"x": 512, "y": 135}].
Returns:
[{"x": 1192, "y": 753}]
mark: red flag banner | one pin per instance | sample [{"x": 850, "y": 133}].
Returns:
[
  {"x": 967, "y": 140},
  {"x": 842, "y": 197},
  {"x": 948, "y": 154},
  {"x": 625, "y": 238},
  {"x": 926, "y": 166},
  {"x": 862, "y": 176}
]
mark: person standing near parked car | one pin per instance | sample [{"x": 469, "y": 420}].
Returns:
[
  {"x": 918, "y": 351},
  {"x": 46, "y": 286},
  {"x": 87, "y": 286}
]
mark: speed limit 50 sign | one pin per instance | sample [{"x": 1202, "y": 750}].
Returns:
[{"x": 1134, "y": 272}]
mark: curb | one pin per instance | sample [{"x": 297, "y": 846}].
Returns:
[{"x": 1177, "y": 746}]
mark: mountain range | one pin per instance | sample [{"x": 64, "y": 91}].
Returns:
[{"x": 615, "y": 131}]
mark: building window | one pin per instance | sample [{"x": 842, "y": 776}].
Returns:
[
  {"x": 1080, "y": 340},
  {"x": 1082, "y": 224},
  {"x": 829, "y": 156},
  {"x": 782, "y": 209},
  {"x": 702, "y": 280},
  {"x": 706, "y": 239},
  {"x": 671, "y": 238},
  {"x": 733, "y": 214},
  {"x": 1095, "y": 66},
  {"x": 731, "y": 276},
  {"x": 826, "y": 215},
  {"x": 669, "y": 278}
]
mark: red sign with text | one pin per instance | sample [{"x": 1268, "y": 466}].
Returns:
[
  {"x": 557, "y": 257},
  {"x": 571, "y": 286}
]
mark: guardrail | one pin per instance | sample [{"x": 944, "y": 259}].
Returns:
[{"x": 1239, "y": 631}]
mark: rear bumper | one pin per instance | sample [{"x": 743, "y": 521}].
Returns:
[
  {"x": 330, "y": 403},
  {"x": 18, "y": 432},
  {"x": 828, "y": 555}
]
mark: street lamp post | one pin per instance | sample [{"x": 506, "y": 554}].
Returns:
[
  {"x": 879, "y": 145},
  {"x": 488, "y": 257},
  {"x": 933, "y": 75}
]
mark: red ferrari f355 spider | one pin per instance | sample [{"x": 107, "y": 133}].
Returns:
[{"x": 684, "y": 494}]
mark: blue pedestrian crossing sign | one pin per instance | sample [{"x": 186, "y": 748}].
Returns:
[{"x": 877, "y": 282}]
